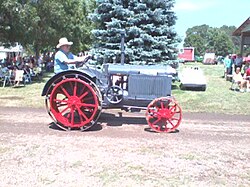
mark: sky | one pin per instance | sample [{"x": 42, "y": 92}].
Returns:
[{"x": 214, "y": 13}]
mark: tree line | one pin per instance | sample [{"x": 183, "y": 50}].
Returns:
[{"x": 208, "y": 39}]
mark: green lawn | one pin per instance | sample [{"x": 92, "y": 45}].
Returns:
[
  {"x": 27, "y": 96},
  {"x": 217, "y": 98}
]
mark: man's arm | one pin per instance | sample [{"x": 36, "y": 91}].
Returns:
[{"x": 76, "y": 59}]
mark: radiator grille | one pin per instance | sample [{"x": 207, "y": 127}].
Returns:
[{"x": 149, "y": 86}]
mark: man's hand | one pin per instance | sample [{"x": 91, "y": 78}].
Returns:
[{"x": 84, "y": 58}]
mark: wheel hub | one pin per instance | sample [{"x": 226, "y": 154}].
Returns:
[
  {"x": 73, "y": 102},
  {"x": 165, "y": 113}
]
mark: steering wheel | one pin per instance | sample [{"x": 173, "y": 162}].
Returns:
[{"x": 80, "y": 64}]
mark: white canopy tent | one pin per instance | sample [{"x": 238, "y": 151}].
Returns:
[{"x": 15, "y": 50}]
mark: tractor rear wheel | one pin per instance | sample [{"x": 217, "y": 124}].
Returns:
[
  {"x": 74, "y": 102},
  {"x": 164, "y": 114}
]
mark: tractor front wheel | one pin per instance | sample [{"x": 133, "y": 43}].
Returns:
[{"x": 164, "y": 114}]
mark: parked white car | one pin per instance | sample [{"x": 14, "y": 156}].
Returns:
[{"x": 192, "y": 77}]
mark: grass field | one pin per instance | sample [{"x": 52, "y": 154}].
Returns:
[{"x": 218, "y": 98}]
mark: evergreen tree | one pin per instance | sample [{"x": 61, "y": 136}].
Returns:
[{"x": 148, "y": 27}]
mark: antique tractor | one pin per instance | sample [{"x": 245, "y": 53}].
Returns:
[{"x": 75, "y": 98}]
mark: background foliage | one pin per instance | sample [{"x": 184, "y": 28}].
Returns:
[
  {"x": 40, "y": 23},
  {"x": 208, "y": 39}
]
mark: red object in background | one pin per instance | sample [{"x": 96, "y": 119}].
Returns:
[
  {"x": 246, "y": 59},
  {"x": 248, "y": 72},
  {"x": 186, "y": 54}
]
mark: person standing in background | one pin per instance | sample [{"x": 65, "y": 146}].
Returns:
[
  {"x": 238, "y": 62},
  {"x": 228, "y": 64}
]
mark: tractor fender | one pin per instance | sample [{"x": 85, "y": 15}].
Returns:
[{"x": 85, "y": 73}]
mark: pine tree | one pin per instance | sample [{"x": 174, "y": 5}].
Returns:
[{"x": 148, "y": 27}]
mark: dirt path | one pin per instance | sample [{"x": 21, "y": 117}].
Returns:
[
  {"x": 208, "y": 150},
  {"x": 33, "y": 120}
]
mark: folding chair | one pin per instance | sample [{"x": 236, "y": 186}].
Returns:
[
  {"x": 7, "y": 78},
  {"x": 235, "y": 85},
  {"x": 19, "y": 76},
  {"x": 27, "y": 76},
  {"x": 1, "y": 76},
  {"x": 37, "y": 73}
]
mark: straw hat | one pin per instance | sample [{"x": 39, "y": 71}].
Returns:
[{"x": 63, "y": 41}]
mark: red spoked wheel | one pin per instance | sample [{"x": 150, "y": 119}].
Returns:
[
  {"x": 74, "y": 103},
  {"x": 164, "y": 114}
]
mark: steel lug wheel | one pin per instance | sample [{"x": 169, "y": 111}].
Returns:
[
  {"x": 164, "y": 114},
  {"x": 74, "y": 103}
]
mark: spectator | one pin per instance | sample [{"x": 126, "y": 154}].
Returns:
[
  {"x": 247, "y": 78},
  {"x": 238, "y": 78},
  {"x": 15, "y": 77},
  {"x": 233, "y": 57},
  {"x": 40, "y": 61},
  {"x": 247, "y": 63},
  {"x": 49, "y": 66},
  {"x": 19, "y": 62},
  {"x": 9, "y": 63},
  {"x": 47, "y": 59},
  {"x": 238, "y": 62},
  {"x": 31, "y": 62},
  {"x": 228, "y": 64}
]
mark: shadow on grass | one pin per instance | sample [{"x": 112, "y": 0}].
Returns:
[
  {"x": 196, "y": 89},
  {"x": 18, "y": 86},
  {"x": 45, "y": 77},
  {"x": 175, "y": 87}
]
